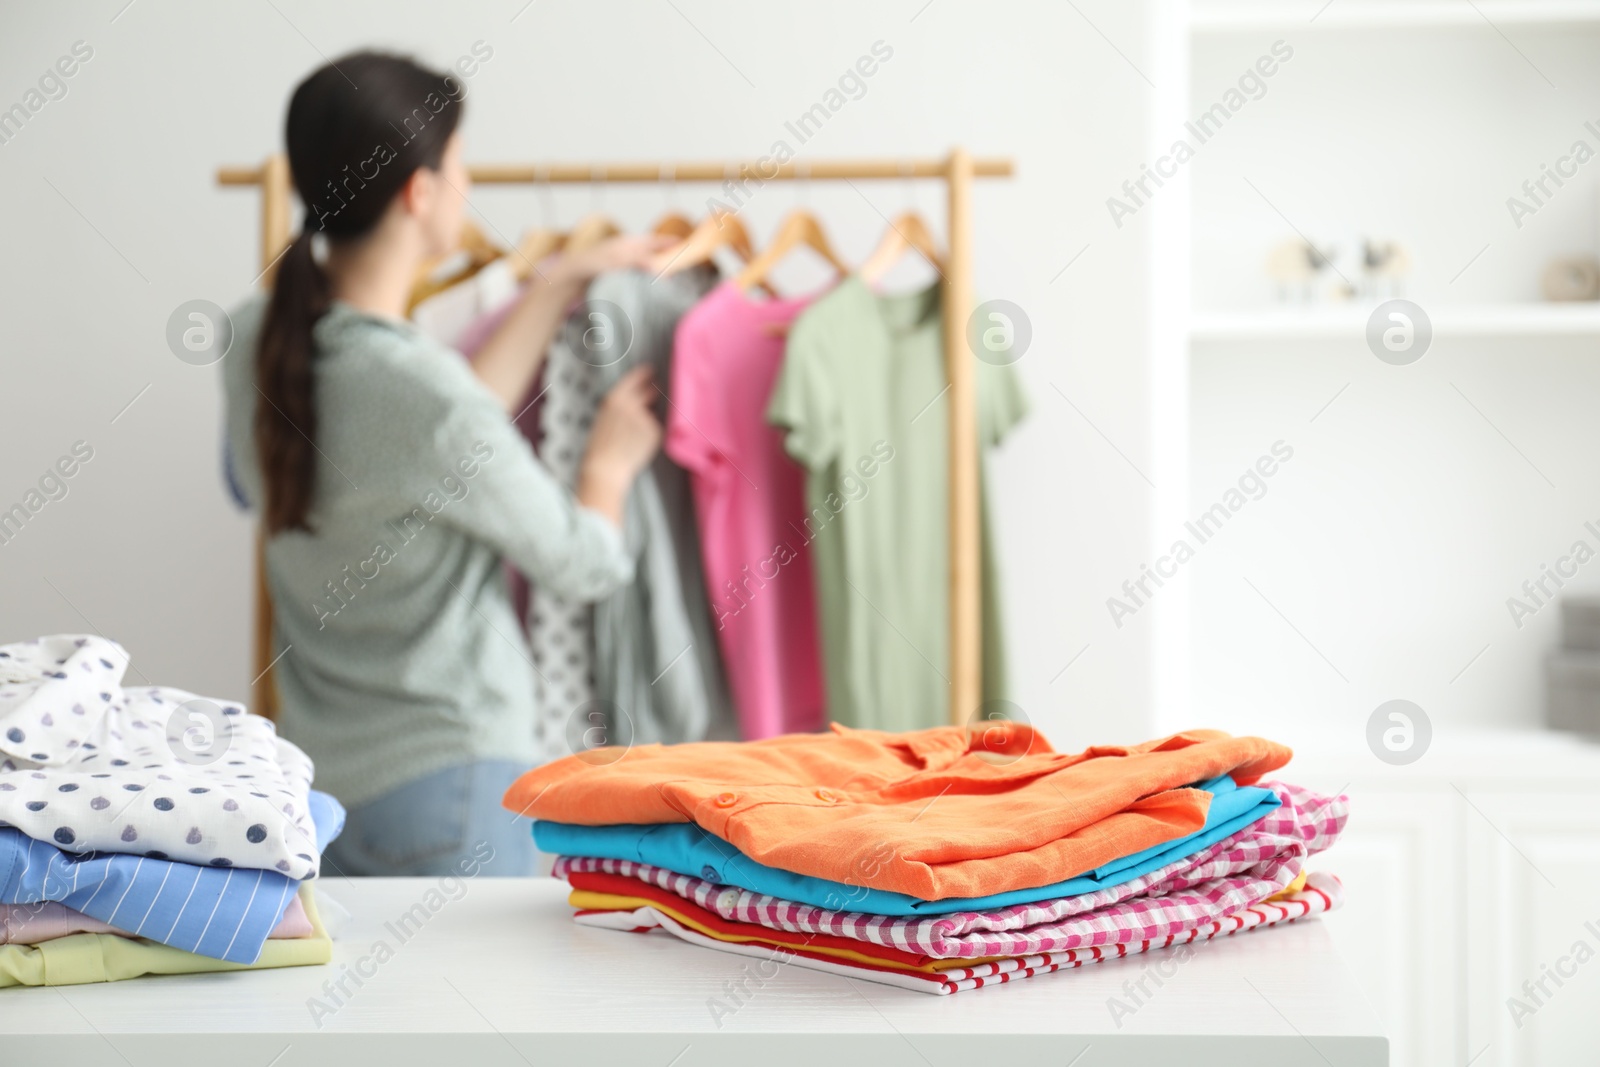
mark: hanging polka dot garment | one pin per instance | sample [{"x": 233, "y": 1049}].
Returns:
[
  {"x": 91, "y": 766},
  {"x": 561, "y": 632}
]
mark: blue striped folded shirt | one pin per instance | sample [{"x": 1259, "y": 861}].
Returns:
[{"x": 223, "y": 912}]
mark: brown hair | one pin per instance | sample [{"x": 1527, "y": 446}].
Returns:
[{"x": 357, "y": 130}]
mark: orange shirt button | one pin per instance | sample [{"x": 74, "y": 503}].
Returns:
[
  {"x": 726, "y": 800},
  {"x": 827, "y": 796}
]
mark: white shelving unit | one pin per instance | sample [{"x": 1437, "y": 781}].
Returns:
[
  {"x": 1308, "y": 323},
  {"x": 1410, "y": 120},
  {"x": 1404, "y": 14}
]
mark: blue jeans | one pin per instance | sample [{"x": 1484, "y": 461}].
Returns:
[{"x": 434, "y": 825}]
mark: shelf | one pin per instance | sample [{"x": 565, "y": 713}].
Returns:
[
  {"x": 1480, "y": 320},
  {"x": 1367, "y": 14}
]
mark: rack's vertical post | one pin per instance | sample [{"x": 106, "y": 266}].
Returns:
[
  {"x": 274, "y": 212},
  {"x": 275, "y": 208},
  {"x": 966, "y": 638}
]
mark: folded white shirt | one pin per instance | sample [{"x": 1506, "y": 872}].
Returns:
[{"x": 90, "y": 766}]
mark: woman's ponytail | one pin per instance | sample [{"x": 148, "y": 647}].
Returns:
[
  {"x": 286, "y": 412},
  {"x": 350, "y": 153}
]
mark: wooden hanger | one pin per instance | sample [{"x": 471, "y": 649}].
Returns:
[
  {"x": 907, "y": 232},
  {"x": 474, "y": 250},
  {"x": 799, "y": 228},
  {"x": 535, "y": 245},
  {"x": 674, "y": 224},
  {"x": 698, "y": 243},
  {"x": 720, "y": 229},
  {"x": 590, "y": 231}
]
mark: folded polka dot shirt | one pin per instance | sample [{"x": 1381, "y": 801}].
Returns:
[{"x": 90, "y": 766}]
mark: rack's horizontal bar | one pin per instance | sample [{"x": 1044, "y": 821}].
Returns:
[{"x": 865, "y": 169}]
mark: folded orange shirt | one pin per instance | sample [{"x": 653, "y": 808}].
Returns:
[{"x": 932, "y": 813}]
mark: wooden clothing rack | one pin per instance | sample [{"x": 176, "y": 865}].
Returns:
[{"x": 957, "y": 171}]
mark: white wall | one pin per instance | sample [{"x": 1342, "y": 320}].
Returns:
[{"x": 146, "y": 548}]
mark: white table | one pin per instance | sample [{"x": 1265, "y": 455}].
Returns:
[{"x": 502, "y": 976}]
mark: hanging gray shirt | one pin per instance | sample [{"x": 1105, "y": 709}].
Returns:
[{"x": 657, "y": 666}]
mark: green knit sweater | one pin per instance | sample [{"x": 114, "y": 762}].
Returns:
[{"x": 404, "y": 654}]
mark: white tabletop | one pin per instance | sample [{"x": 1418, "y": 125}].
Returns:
[{"x": 500, "y": 975}]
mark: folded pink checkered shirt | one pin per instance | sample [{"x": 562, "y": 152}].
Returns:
[{"x": 1322, "y": 893}]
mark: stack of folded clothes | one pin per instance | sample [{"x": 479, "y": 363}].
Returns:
[
  {"x": 145, "y": 830},
  {"x": 941, "y": 860}
]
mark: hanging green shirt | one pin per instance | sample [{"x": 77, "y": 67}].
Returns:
[{"x": 862, "y": 400}]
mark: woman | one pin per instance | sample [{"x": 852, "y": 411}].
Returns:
[{"x": 393, "y": 485}]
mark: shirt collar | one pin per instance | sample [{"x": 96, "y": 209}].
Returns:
[{"x": 54, "y": 691}]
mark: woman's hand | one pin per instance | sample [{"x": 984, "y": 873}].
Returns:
[
  {"x": 510, "y": 360},
  {"x": 624, "y": 439},
  {"x": 614, "y": 253}
]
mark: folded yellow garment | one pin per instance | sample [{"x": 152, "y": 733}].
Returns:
[
  {"x": 1292, "y": 888},
  {"x": 79, "y": 959}
]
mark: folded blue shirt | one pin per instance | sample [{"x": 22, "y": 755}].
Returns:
[
  {"x": 222, "y": 912},
  {"x": 687, "y": 849}
]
